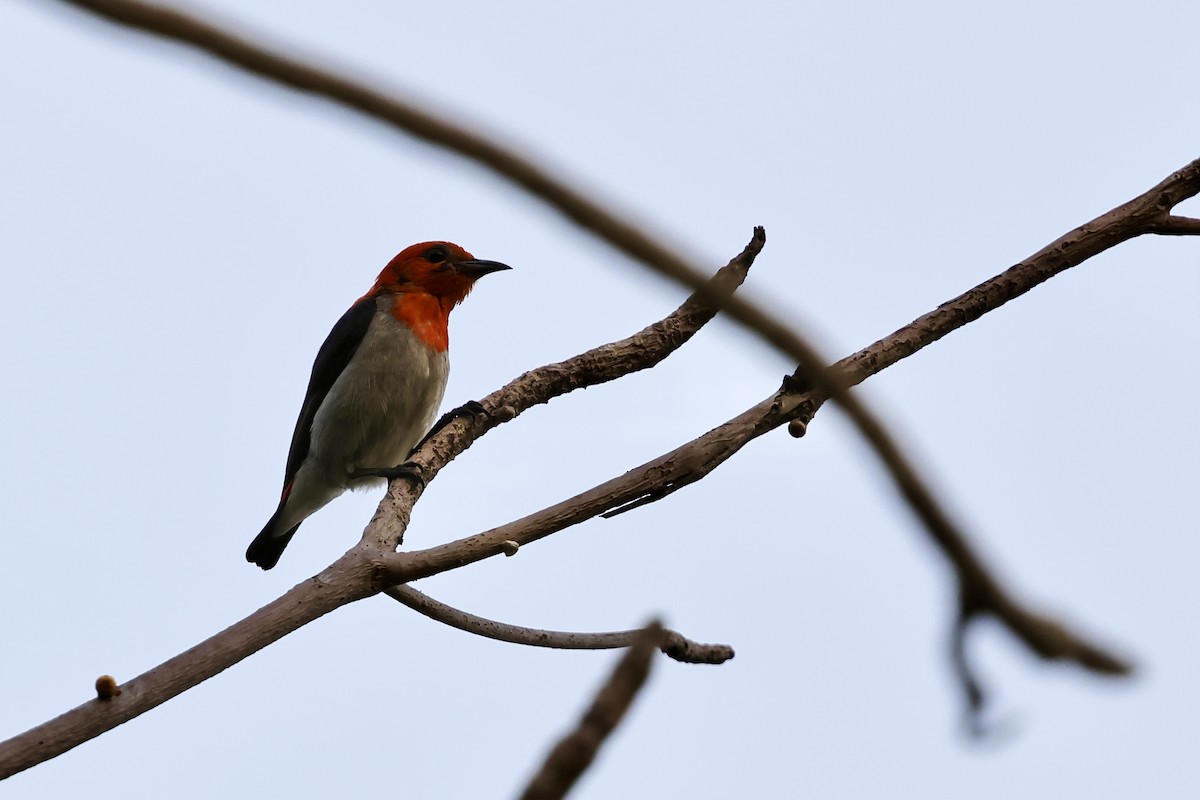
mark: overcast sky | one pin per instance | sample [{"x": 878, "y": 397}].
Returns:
[{"x": 177, "y": 239}]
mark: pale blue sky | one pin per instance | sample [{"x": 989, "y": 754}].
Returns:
[{"x": 178, "y": 239}]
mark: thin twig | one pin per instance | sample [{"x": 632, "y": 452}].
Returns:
[
  {"x": 575, "y": 751},
  {"x": 1178, "y": 226},
  {"x": 673, "y": 644}
]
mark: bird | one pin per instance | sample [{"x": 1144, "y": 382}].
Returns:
[{"x": 375, "y": 389}]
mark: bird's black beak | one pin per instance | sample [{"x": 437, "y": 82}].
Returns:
[{"x": 477, "y": 267}]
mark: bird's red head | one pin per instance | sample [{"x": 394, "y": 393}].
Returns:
[
  {"x": 440, "y": 269},
  {"x": 426, "y": 281}
]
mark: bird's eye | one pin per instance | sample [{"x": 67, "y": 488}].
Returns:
[{"x": 436, "y": 254}]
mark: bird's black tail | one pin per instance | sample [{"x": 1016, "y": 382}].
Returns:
[{"x": 268, "y": 546}]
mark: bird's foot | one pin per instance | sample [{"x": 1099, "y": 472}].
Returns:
[
  {"x": 406, "y": 470},
  {"x": 797, "y": 383},
  {"x": 467, "y": 409}
]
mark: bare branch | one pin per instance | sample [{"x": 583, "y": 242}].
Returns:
[
  {"x": 1177, "y": 226},
  {"x": 345, "y": 581},
  {"x": 575, "y": 751},
  {"x": 1144, "y": 214},
  {"x": 671, "y": 643},
  {"x": 1048, "y": 638},
  {"x": 684, "y": 464}
]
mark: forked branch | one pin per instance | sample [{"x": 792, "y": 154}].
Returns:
[{"x": 360, "y": 573}]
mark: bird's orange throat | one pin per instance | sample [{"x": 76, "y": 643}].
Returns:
[{"x": 427, "y": 316}]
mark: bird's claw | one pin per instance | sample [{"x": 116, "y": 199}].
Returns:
[
  {"x": 406, "y": 470},
  {"x": 797, "y": 383},
  {"x": 467, "y": 409}
]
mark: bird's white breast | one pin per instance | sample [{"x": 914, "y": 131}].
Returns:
[{"x": 381, "y": 405}]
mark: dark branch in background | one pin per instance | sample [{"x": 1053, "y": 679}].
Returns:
[
  {"x": 621, "y": 232},
  {"x": 410, "y": 118},
  {"x": 575, "y": 751},
  {"x": 980, "y": 592},
  {"x": 672, "y": 644}
]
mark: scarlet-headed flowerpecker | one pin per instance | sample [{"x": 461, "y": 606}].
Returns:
[{"x": 375, "y": 388}]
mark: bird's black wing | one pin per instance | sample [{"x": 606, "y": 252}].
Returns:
[{"x": 339, "y": 347}]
